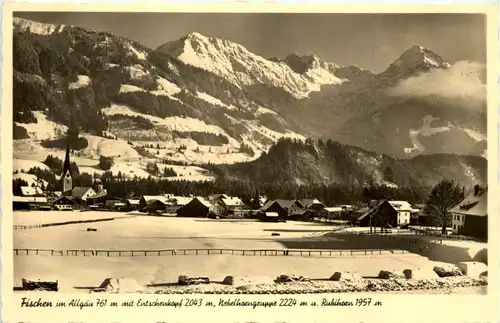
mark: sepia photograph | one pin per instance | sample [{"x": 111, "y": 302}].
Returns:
[{"x": 249, "y": 153}]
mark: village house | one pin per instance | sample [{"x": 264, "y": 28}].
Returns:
[
  {"x": 99, "y": 198},
  {"x": 101, "y": 195},
  {"x": 176, "y": 202},
  {"x": 313, "y": 205},
  {"x": 29, "y": 202},
  {"x": 419, "y": 217},
  {"x": 470, "y": 216},
  {"x": 153, "y": 203},
  {"x": 335, "y": 212},
  {"x": 30, "y": 197},
  {"x": 198, "y": 207},
  {"x": 64, "y": 203},
  {"x": 285, "y": 208},
  {"x": 294, "y": 208},
  {"x": 81, "y": 194},
  {"x": 113, "y": 204},
  {"x": 270, "y": 217},
  {"x": 132, "y": 204},
  {"x": 363, "y": 217},
  {"x": 224, "y": 205},
  {"x": 386, "y": 213}
]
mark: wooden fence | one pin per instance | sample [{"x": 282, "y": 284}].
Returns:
[{"x": 201, "y": 252}]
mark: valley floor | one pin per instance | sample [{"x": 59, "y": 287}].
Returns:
[{"x": 154, "y": 233}]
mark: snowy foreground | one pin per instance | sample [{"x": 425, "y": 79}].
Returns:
[{"x": 153, "y": 233}]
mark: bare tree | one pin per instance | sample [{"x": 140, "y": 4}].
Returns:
[{"x": 445, "y": 195}]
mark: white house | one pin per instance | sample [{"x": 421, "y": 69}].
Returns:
[
  {"x": 83, "y": 192},
  {"x": 474, "y": 204},
  {"x": 404, "y": 210}
]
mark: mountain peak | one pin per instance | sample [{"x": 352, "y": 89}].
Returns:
[
  {"x": 243, "y": 68},
  {"x": 34, "y": 27},
  {"x": 194, "y": 35},
  {"x": 303, "y": 63},
  {"x": 420, "y": 54},
  {"x": 414, "y": 60}
]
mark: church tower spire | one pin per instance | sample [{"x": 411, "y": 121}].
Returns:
[{"x": 67, "y": 178}]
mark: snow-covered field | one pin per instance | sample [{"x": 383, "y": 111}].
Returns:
[
  {"x": 43, "y": 217},
  {"x": 144, "y": 232},
  {"x": 172, "y": 123}
]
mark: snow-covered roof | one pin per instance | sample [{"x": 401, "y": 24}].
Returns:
[
  {"x": 28, "y": 191},
  {"x": 310, "y": 202},
  {"x": 402, "y": 206},
  {"x": 80, "y": 191},
  {"x": 152, "y": 198},
  {"x": 232, "y": 201},
  {"x": 133, "y": 201},
  {"x": 283, "y": 203},
  {"x": 180, "y": 200},
  {"x": 204, "y": 201},
  {"x": 334, "y": 209},
  {"x": 29, "y": 199},
  {"x": 473, "y": 204},
  {"x": 102, "y": 193}
]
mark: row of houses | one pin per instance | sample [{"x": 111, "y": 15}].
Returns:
[
  {"x": 469, "y": 217},
  {"x": 302, "y": 209}
]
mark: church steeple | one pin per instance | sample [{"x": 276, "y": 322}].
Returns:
[{"x": 66, "y": 177}]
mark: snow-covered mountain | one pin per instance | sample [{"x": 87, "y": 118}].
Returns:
[
  {"x": 242, "y": 68},
  {"x": 416, "y": 59},
  {"x": 201, "y": 100}
]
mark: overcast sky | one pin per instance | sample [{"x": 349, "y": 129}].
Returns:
[{"x": 371, "y": 41}]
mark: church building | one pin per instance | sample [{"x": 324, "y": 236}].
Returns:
[
  {"x": 77, "y": 195},
  {"x": 67, "y": 177}
]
